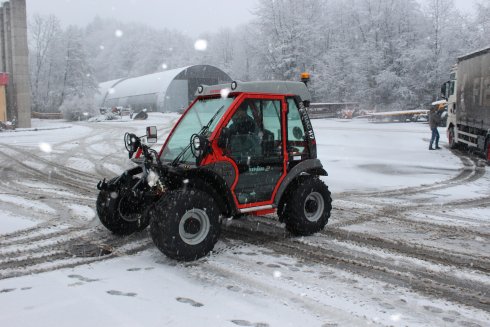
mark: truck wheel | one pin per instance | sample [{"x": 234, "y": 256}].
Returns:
[
  {"x": 119, "y": 211},
  {"x": 450, "y": 138},
  {"x": 185, "y": 224},
  {"x": 487, "y": 152},
  {"x": 307, "y": 207}
]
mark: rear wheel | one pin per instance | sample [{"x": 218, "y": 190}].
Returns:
[
  {"x": 487, "y": 152},
  {"x": 450, "y": 138},
  {"x": 119, "y": 211},
  {"x": 185, "y": 224},
  {"x": 307, "y": 207}
]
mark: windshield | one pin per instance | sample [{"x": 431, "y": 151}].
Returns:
[{"x": 195, "y": 119}]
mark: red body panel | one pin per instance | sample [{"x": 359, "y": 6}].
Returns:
[
  {"x": 217, "y": 155},
  {"x": 4, "y": 78}
]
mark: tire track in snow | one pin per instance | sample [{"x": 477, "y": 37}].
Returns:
[
  {"x": 420, "y": 251},
  {"x": 72, "y": 182},
  {"x": 472, "y": 170},
  {"x": 425, "y": 281},
  {"x": 67, "y": 250}
]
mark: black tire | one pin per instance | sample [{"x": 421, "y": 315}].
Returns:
[
  {"x": 122, "y": 217},
  {"x": 450, "y": 138},
  {"x": 185, "y": 224},
  {"x": 486, "y": 153},
  {"x": 307, "y": 206}
]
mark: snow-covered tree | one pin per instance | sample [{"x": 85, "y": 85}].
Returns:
[
  {"x": 44, "y": 39},
  {"x": 76, "y": 107},
  {"x": 78, "y": 79},
  {"x": 380, "y": 53}
]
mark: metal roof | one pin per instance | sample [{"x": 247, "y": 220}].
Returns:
[
  {"x": 163, "y": 91},
  {"x": 274, "y": 87},
  {"x": 474, "y": 54},
  {"x": 104, "y": 89},
  {"x": 147, "y": 84}
]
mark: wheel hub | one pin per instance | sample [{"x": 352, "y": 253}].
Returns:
[
  {"x": 129, "y": 208},
  {"x": 314, "y": 206},
  {"x": 311, "y": 206},
  {"x": 194, "y": 226}
]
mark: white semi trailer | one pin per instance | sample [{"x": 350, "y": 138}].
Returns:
[{"x": 468, "y": 96}]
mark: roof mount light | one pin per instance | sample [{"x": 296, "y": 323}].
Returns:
[
  {"x": 200, "y": 89},
  {"x": 234, "y": 85},
  {"x": 305, "y": 77}
]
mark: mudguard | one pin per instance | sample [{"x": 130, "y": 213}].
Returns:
[
  {"x": 209, "y": 178},
  {"x": 309, "y": 167}
]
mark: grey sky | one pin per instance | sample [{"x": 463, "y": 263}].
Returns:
[{"x": 189, "y": 16}]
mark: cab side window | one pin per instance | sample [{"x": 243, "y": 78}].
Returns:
[
  {"x": 271, "y": 128},
  {"x": 296, "y": 144},
  {"x": 244, "y": 132}
]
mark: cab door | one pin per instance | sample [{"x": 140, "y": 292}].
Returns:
[{"x": 257, "y": 148}]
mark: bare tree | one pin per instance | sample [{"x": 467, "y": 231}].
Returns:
[{"x": 44, "y": 33}]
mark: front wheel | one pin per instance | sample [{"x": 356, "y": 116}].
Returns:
[
  {"x": 185, "y": 224},
  {"x": 487, "y": 151},
  {"x": 307, "y": 207},
  {"x": 450, "y": 138},
  {"x": 119, "y": 211}
]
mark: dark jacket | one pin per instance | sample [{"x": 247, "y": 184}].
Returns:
[{"x": 434, "y": 119}]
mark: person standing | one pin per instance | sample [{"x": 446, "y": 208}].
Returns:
[{"x": 434, "y": 120}]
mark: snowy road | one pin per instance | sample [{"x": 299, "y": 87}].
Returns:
[{"x": 407, "y": 243}]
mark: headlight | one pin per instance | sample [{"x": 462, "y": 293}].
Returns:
[{"x": 196, "y": 143}]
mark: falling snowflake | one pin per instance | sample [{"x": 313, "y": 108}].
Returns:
[
  {"x": 152, "y": 178},
  {"x": 277, "y": 274},
  {"x": 101, "y": 47},
  {"x": 118, "y": 33},
  {"x": 112, "y": 90},
  {"x": 164, "y": 66},
  {"x": 201, "y": 45},
  {"x": 45, "y": 147},
  {"x": 395, "y": 317},
  {"x": 224, "y": 92}
]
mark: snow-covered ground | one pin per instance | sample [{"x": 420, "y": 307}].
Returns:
[{"x": 407, "y": 243}]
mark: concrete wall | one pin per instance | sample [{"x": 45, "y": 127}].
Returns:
[{"x": 14, "y": 60}]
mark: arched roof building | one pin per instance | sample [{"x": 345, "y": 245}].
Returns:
[{"x": 170, "y": 90}]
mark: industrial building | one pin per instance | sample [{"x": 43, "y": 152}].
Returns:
[
  {"x": 166, "y": 91},
  {"x": 15, "y": 90}
]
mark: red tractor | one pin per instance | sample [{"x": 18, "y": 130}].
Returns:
[{"x": 240, "y": 148}]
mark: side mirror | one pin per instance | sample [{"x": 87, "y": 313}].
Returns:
[
  {"x": 224, "y": 138},
  {"x": 297, "y": 133},
  {"x": 151, "y": 134}
]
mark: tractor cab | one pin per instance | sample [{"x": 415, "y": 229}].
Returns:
[
  {"x": 240, "y": 148},
  {"x": 256, "y": 132}
]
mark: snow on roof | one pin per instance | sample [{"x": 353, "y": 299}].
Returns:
[
  {"x": 275, "y": 87},
  {"x": 104, "y": 87},
  {"x": 438, "y": 102},
  {"x": 474, "y": 53},
  {"x": 147, "y": 84}
]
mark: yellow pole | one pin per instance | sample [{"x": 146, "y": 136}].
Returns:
[{"x": 3, "y": 104}]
